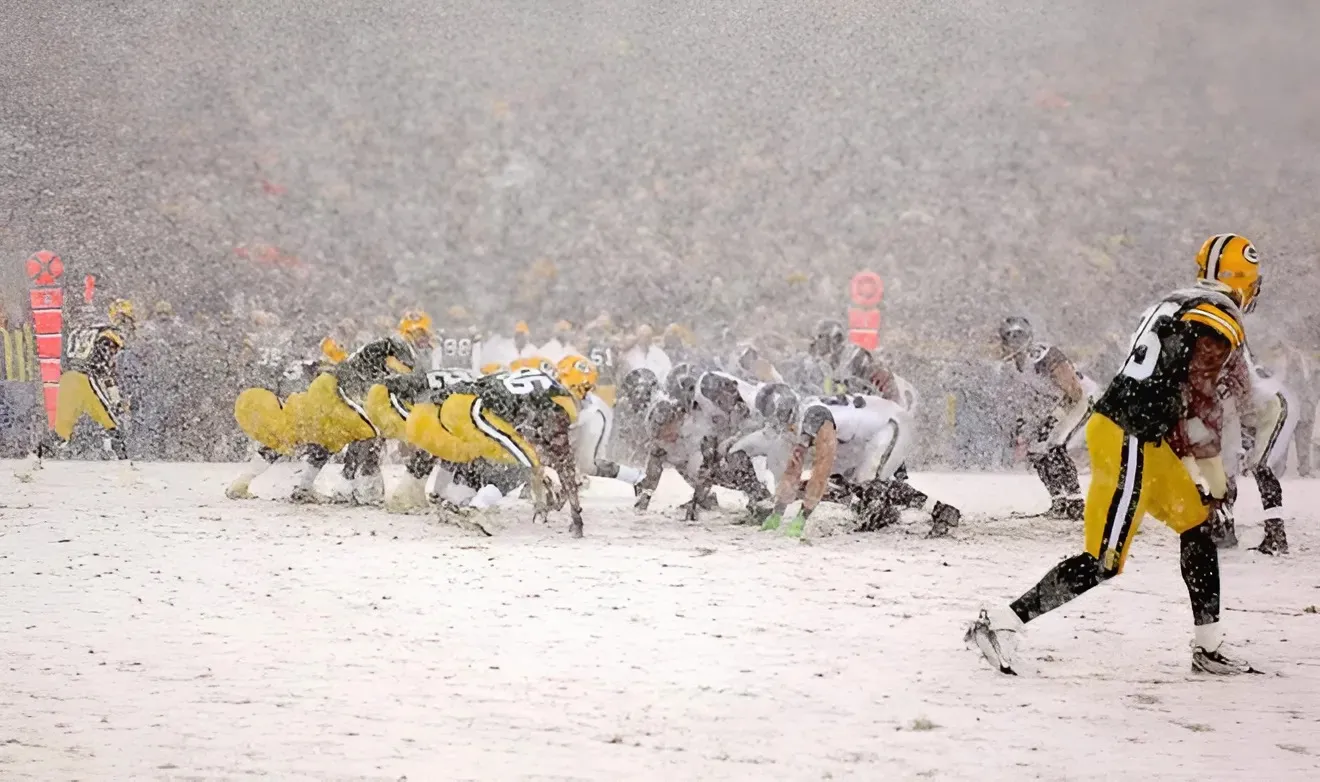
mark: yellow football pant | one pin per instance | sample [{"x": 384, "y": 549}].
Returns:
[
  {"x": 1129, "y": 479},
  {"x": 461, "y": 430},
  {"x": 78, "y": 395},
  {"x": 390, "y": 420},
  {"x": 320, "y": 416}
]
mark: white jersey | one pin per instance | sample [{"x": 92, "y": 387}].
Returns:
[
  {"x": 590, "y": 434},
  {"x": 873, "y": 436},
  {"x": 1274, "y": 413},
  {"x": 873, "y": 433}
]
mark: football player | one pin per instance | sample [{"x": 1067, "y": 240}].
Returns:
[
  {"x": 859, "y": 443},
  {"x": 415, "y": 327},
  {"x": 1154, "y": 440},
  {"x": 690, "y": 428},
  {"x": 322, "y": 421},
  {"x": 591, "y": 431},
  {"x": 89, "y": 386},
  {"x": 1051, "y": 374},
  {"x": 519, "y": 418}
]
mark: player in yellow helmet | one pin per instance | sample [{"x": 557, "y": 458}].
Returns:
[
  {"x": 415, "y": 326},
  {"x": 1266, "y": 409},
  {"x": 327, "y": 418},
  {"x": 521, "y": 418},
  {"x": 1154, "y": 441},
  {"x": 90, "y": 384}
]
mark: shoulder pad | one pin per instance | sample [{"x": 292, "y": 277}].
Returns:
[{"x": 1222, "y": 321}]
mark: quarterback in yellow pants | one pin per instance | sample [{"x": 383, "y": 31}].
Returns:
[
  {"x": 90, "y": 386},
  {"x": 1155, "y": 450}
]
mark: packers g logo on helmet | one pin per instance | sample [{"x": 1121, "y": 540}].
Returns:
[{"x": 1231, "y": 262}]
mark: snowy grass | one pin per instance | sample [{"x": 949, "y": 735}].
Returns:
[{"x": 154, "y": 630}]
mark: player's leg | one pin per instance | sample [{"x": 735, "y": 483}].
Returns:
[
  {"x": 313, "y": 459},
  {"x": 368, "y": 485},
  {"x": 883, "y": 494},
  {"x": 1055, "y": 468},
  {"x": 1303, "y": 438},
  {"x": 260, "y": 462},
  {"x": 645, "y": 488},
  {"x": 102, "y": 407},
  {"x": 71, "y": 399},
  {"x": 409, "y": 493},
  {"x": 1271, "y": 460},
  {"x": 736, "y": 471},
  {"x": 702, "y": 495},
  {"x": 1113, "y": 508},
  {"x": 1176, "y": 500}
]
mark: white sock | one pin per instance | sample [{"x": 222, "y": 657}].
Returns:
[
  {"x": 457, "y": 493},
  {"x": 1208, "y": 637},
  {"x": 487, "y": 497},
  {"x": 255, "y": 466},
  {"x": 307, "y": 475}
]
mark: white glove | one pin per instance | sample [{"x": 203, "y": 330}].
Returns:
[{"x": 1209, "y": 475}]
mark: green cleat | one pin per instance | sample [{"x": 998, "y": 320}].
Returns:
[
  {"x": 793, "y": 529},
  {"x": 771, "y": 522}
]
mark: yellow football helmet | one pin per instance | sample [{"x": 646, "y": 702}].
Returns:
[
  {"x": 1230, "y": 263},
  {"x": 491, "y": 368},
  {"x": 121, "y": 311},
  {"x": 415, "y": 326},
  {"x": 333, "y": 351},
  {"x": 579, "y": 373},
  {"x": 534, "y": 362}
]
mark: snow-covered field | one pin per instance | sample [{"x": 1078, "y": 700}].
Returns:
[{"x": 152, "y": 629}]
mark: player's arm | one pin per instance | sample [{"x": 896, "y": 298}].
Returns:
[
  {"x": 822, "y": 467},
  {"x": 1198, "y": 436},
  {"x": 787, "y": 488},
  {"x": 1062, "y": 373}
]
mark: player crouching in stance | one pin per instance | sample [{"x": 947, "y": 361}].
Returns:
[
  {"x": 1051, "y": 373},
  {"x": 90, "y": 385},
  {"x": 521, "y": 418},
  {"x": 690, "y": 428},
  {"x": 322, "y": 421},
  {"x": 858, "y": 441},
  {"x": 1154, "y": 441}
]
